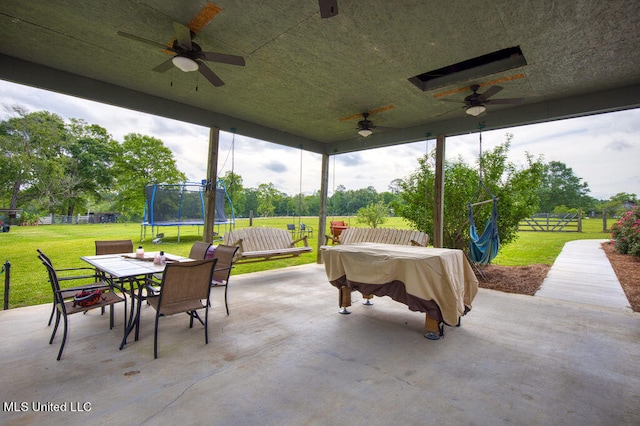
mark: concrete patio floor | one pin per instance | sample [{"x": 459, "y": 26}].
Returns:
[{"x": 286, "y": 357}]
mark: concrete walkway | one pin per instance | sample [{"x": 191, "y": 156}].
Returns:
[{"x": 582, "y": 274}]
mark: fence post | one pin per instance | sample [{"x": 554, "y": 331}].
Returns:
[
  {"x": 6, "y": 268},
  {"x": 579, "y": 220}
]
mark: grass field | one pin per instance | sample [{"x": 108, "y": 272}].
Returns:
[{"x": 66, "y": 243}]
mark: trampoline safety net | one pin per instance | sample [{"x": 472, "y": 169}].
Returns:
[{"x": 181, "y": 205}]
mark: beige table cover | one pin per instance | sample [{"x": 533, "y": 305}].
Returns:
[{"x": 442, "y": 275}]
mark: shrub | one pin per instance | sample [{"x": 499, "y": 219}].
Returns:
[
  {"x": 626, "y": 233},
  {"x": 29, "y": 218},
  {"x": 373, "y": 215}
]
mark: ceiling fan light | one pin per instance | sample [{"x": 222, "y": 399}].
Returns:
[
  {"x": 365, "y": 132},
  {"x": 185, "y": 64},
  {"x": 476, "y": 110}
]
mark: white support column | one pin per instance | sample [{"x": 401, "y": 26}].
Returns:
[
  {"x": 212, "y": 173},
  {"x": 324, "y": 191},
  {"x": 438, "y": 208}
]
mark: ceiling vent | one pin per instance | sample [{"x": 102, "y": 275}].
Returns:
[{"x": 491, "y": 63}]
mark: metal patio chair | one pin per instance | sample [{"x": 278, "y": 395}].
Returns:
[
  {"x": 65, "y": 305},
  {"x": 225, "y": 255},
  {"x": 184, "y": 288},
  {"x": 199, "y": 250},
  {"x": 87, "y": 273},
  {"x": 306, "y": 230}
]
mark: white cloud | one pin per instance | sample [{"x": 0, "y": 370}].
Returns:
[{"x": 603, "y": 150}]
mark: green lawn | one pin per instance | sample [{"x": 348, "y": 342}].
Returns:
[
  {"x": 66, "y": 243},
  {"x": 543, "y": 247}
]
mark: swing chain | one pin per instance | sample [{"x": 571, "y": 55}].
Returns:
[
  {"x": 480, "y": 127},
  {"x": 481, "y": 184},
  {"x": 480, "y": 157}
]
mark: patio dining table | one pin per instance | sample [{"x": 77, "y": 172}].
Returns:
[{"x": 130, "y": 273}]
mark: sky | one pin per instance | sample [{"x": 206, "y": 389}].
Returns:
[{"x": 603, "y": 150}]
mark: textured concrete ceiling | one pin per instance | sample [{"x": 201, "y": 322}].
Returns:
[{"x": 304, "y": 74}]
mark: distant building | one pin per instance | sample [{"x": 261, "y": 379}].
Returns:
[{"x": 103, "y": 217}]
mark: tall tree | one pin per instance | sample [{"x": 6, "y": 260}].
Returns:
[
  {"x": 362, "y": 198},
  {"x": 140, "y": 161},
  {"x": 90, "y": 150},
  {"x": 561, "y": 187},
  {"x": 395, "y": 186},
  {"x": 337, "y": 204},
  {"x": 31, "y": 149},
  {"x": 235, "y": 190},
  {"x": 312, "y": 203},
  {"x": 252, "y": 202},
  {"x": 515, "y": 188},
  {"x": 268, "y": 198}
]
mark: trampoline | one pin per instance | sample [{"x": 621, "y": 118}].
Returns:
[{"x": 177, "y": 205}]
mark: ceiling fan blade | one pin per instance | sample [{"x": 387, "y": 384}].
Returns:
[
  {"x": 183, "y": 35},
  {"x": 452, "y": 100},
  {"x": 222, "y": 58},
  {"x": 328, "y": 8},
  {"x": 165, "y": 66},
  {"x": 209, "y": 75},
  {"x": 506, "y": 101},
  {"x": 143, "y": 40},
  {"x": 490, "y": 92}
]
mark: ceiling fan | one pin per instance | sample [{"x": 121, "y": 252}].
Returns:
[
  {"x": 365, "y": 126},
  {"x": 188, "y": 55},
  {"x": 475, "y": 103}
]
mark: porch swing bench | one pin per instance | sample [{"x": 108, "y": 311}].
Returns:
[
  {"x": 263, "y": 244},
  {"x": 407, "y": 237}
]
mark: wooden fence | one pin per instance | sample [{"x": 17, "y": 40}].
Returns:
[{"x": 547, "y": 222}]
